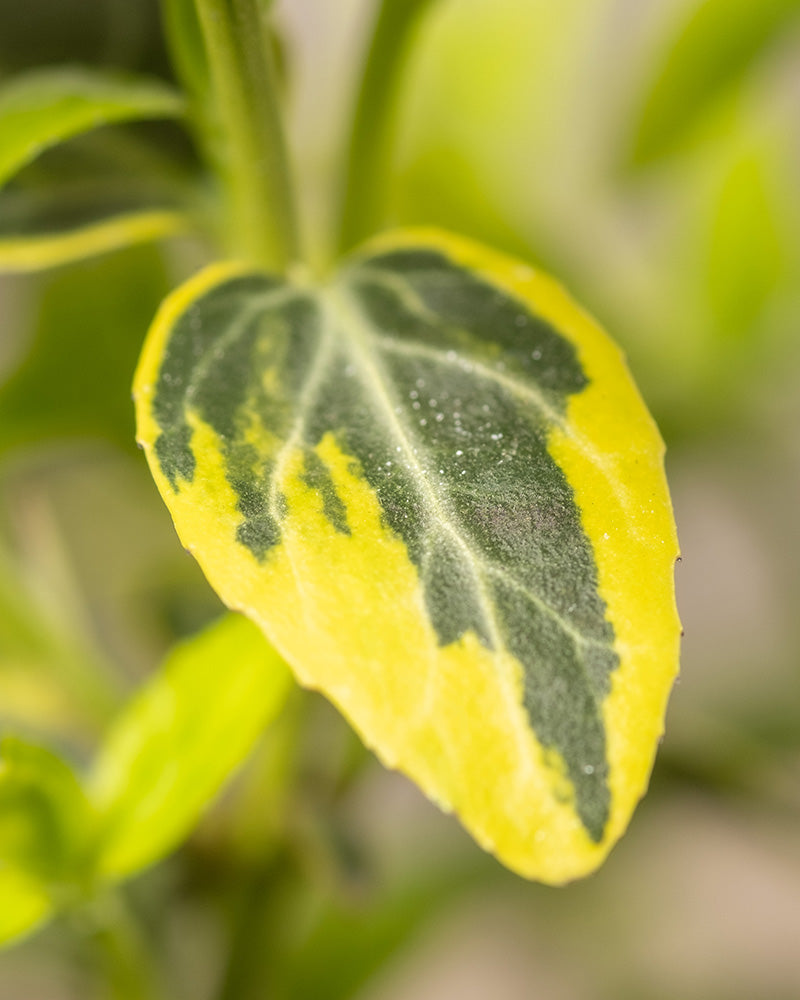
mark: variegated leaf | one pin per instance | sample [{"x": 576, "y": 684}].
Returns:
[{"x": 433, "y": 484}]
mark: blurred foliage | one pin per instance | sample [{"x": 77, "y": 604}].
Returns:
[
  {"x": 74, "y": 379},
  {"x": 44, "y": 815},
  {"x": 704, "y": 60},
  {"x": 95, "y": 32},
  {"x": 646, "y": 154},
  {"x": 178, "y": 740},
  {"x": 523, "y": 149}
]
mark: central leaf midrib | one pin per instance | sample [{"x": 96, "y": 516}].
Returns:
[
  {"x": 411, "y": 300},
  {"x": 358, "y": 334},
  {"x": 476, "y": 367},
  {"x": 417, "y": 307}
]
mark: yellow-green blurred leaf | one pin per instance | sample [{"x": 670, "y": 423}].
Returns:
[
  {"x": 24, "y": 904},
  {"x": 717, "y": 43},
  {"x": 745, "y": 253},
  {"x": 45, "y": 818},
  {"x": 44, "y": 107},
  {"x": 180, "y": 738}
]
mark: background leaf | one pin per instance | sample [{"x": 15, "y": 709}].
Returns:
[
  {"x": 99, "y": 191},
  {"x": 745, "y": 249},
  {"x": 44, "y": 814},
  {"x": 180, "y": 738},
  {"x": 44, "y": 107},
  {"x": 26, "y": 904},
  {"x": 38, "y": 253},
  {"x": 51, "y": 683},
  {"x": 714, "y": 47},
  {"x": 75, "y": 378}
]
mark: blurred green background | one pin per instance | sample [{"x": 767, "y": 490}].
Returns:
[{"x": 647, "y": 155}]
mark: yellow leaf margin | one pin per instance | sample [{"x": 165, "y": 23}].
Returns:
[{"x": 25, "y": 254}]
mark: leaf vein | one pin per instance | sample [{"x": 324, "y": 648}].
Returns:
[
  {"x": 235, "y": 330},
  {"x": 357, "y": 332},
  {"x": 417, "y": 307},
  {"x": 360, "y": 333}
]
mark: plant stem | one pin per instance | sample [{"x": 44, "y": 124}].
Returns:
[
  {"x": 251, "y": 149},
  {"x": 373, "y": 129},
  {"x": 259, "y": 933},
  {"x": 124, "y": 959}
]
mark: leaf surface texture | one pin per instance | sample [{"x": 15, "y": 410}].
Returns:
[{"x": 434, "y": 486}]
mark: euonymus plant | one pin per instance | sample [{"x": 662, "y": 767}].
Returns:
[{"x": 420, "y": 473}]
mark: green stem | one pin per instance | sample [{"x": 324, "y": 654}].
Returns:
[
  {"x": 373, "y": 131},
  {"x": 259, "y": 934},
  {"x": 252, "y": 153},
  {"x": 187, "y": 50},
  {"x": 125, "y": 961}
]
